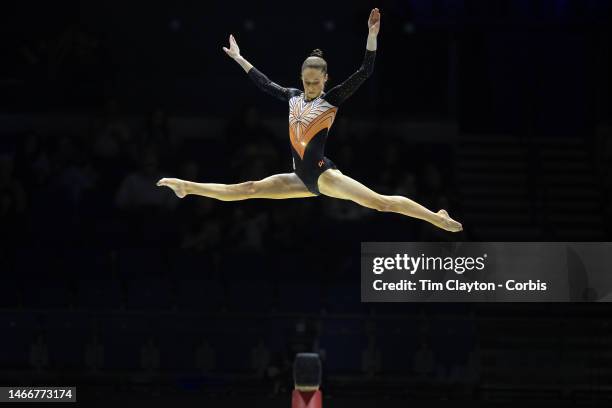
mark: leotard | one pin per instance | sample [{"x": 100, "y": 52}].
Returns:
[{"x": 311, "y": 120}]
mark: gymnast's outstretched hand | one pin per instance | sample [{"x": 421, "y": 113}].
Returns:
[
  {"x": 233, "y": 51},
  {"x": 374, "y": 22},
  {"x": 177, "y": 185}
]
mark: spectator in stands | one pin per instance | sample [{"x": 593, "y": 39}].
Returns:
[
  {"x": 281, "y": 232},
  {"x": 474, "y": 362},
  {"x": 113, "y": 149},
  {"x": 301, "y": 338},
  {"x": 39, "y": 353},
  {"x": 279, "y": 374},
  {"x": 31, "y": 161},
  {"x": 10, "y": 185},
  {"x": 94, "y": 354},
  {"x": 391, "y": 164},
  {"x": 157, "y": 131},
  {"x": 424, "y": 361},
  {"x": 371, "y": 358},
  {"x": 200, "y": 226},
  {"x": 201, "y": 229},
  {"x": 248, "y": 230},
  {"x": 12, "y": 199},
  {"x": 76, "y": 174},
  {"x": 138, "y": 189},
  {"x": 406, "y": 184},
  {"x": 254, "y": 146},
  {"x": 111, "y": 133},
  {"x": 432, "y": 184},
  {"x": 205, "y": 358},
  {"x": 149, "y": 356},
  {"x": 342, "y": 210},
  {"x": 260, "y": 359},
  {"x": 190, "y": 169}
]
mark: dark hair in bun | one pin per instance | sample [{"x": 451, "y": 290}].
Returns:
[{"x": 315, "y": 60}]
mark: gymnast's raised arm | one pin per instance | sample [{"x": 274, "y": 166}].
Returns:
[
  {"x": 261, "y": 81},
  {"x": 340, "y": 93}
]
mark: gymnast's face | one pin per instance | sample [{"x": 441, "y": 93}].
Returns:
[{"x": 313, "y": 80}]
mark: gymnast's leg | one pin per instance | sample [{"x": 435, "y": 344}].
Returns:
[
  {"x": 278, "y": 186},
  {"x": 335, "y": 184}
]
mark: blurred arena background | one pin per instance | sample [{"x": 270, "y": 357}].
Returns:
[{"x": 498, "y": 111}]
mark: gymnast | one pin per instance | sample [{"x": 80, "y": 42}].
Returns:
[{"x": 311, "y": 114}]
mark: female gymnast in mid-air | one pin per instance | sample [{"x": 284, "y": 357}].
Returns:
[{"x": 311, "y": 114}]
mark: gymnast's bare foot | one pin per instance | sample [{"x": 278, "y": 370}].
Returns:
[
  {"x": 177, "y": 185},
  {"x": 444, "y": 221}
]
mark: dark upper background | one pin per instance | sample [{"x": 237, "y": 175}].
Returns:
[{"x": 497, "y": 111}]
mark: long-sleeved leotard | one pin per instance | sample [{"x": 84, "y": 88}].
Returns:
[{"x": 311, "y": 120}]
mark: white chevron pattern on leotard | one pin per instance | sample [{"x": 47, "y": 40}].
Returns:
[{"x": 306, "y": 119}]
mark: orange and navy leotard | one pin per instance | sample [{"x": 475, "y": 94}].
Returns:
[{"x": 311, "y": 120}]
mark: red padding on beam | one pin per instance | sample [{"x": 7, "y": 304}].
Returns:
[{"x": 310, "y": 399}]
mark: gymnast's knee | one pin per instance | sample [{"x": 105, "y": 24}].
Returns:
[
  {"x": 383, "y": 204},
  {"x": 250, "y": 188}
]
